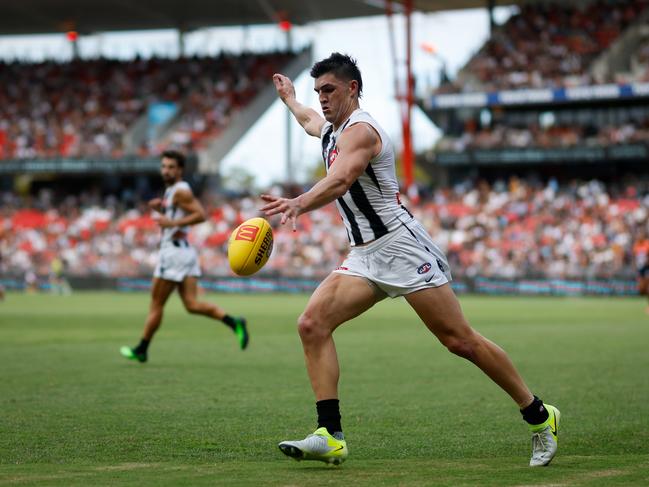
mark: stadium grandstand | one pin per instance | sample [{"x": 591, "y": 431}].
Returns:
[
  {"x": 526, "y": 164},
  {"x": 96, "y": 108},
  {"x": 554, "y": 103},
  {"x": 539, "y": 174}
]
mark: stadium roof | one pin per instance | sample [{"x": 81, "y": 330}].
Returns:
[{"x": 88, "y": 16}]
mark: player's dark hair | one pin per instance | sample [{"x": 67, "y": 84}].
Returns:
[
  {"x": 342, "y": 66},
  {"x": 177, "y": 156}
]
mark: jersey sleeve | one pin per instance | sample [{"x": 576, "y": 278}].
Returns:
[{"x": 184, "y": 186}]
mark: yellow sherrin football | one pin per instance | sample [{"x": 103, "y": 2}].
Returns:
[{"x": 249, "y": 247}]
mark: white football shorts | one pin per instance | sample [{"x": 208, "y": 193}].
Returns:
[
  {"x": 176, "y": 263},
  {"x": 402, "y": 262}
]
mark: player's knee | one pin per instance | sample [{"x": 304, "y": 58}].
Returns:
[
  {"x": 462, "y": 345},
  {"x": 192, "y": 307},
  {"x": 309, "y": 327}
]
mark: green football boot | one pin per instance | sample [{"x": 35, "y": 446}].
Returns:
[
  {"x": 241, "y": 331},
  {"x": 131, "y": 354}
]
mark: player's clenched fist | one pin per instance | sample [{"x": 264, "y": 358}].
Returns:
[{"x": 284, "y": 87}]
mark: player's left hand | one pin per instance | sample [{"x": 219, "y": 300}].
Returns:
[
  {"x": 165, "y": 222},
  {"x": 289, "y": 208},
  {"x": 284, "y": 87}
]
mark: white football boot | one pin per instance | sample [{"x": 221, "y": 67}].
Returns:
[
  {"x": 544, "y": 438},
  {"x": 319, "y": 445}
]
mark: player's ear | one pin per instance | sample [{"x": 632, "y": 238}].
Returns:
[{"x": 353, "y": 86}]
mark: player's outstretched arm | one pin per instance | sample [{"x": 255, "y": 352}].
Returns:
[
  {"x": 307, "y": 117},
  {"x": 356, "y": 147},
  {"x": 190, "y": 205},
  {"x": 156, "y": 204}
]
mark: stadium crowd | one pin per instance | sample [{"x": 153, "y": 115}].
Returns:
[
  {"x": 556, "y": 136},
  {"x": 86, "y": 107},
  {"x": 508, "y": 229},
  {"x": 547, "y": 45}
]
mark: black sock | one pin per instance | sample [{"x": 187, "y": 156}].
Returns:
[
  {"x": 142, "y": 346},
  {"x": 535, "y": 413},
  {"x": 229, "y": 321},
  {"x": 329, "y": 415}
]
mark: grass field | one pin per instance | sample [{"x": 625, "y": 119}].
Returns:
[{"x": 201, "y": 412}]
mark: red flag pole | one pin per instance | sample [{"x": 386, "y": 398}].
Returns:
[
  {"x": 408, "y": 157},
  {"x": 404, "y": 96}
]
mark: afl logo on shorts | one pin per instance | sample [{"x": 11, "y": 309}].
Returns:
[{"x": 424, "y": 268}]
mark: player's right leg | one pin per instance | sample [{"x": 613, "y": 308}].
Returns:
[
  {"x": 440, "y": 310},
  {"x": 161, "y": 289},
  {"x": 339, "y": 298},
  {"x": 188, "y": 291}
]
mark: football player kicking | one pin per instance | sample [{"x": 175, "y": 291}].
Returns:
[
  {"x": 178, "y": 261},
  {"x": 392, "y": 255}
]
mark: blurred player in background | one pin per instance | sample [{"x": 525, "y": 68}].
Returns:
[
  {"x": 2, "y": 262},
  {"x": 178, "y": 261},
  {"x": 58, "y": 282},
  {"x": 2, "y": 288},
  {"x": 31, "y": 282},
  {"x": 641, "y": 254},
  {"x": 391, "y": 255}
]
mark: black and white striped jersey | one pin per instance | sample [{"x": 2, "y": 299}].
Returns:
[
  {"x": 371, "y": 207},
  {"x": 173, "y": 212}
]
